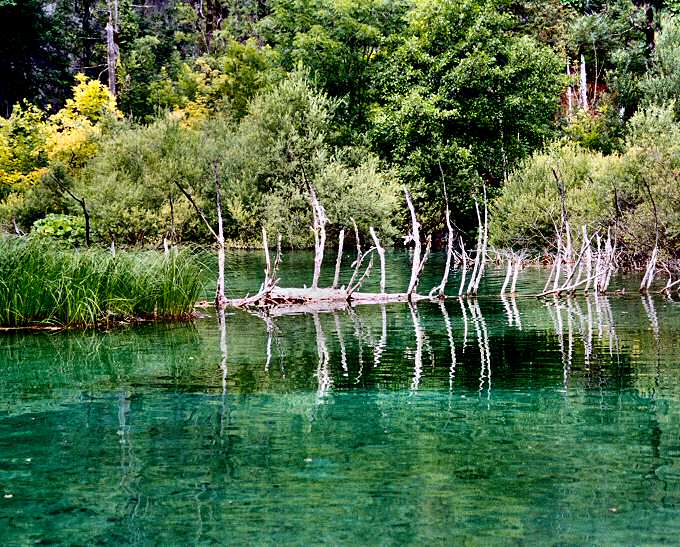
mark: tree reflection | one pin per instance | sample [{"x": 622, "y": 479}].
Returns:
[
  {"x": 418, "y": 356},
  {"x": 584, "y": 335},
  {"x": 323, "y": 372},
  {"x": 452, "y": 346}
]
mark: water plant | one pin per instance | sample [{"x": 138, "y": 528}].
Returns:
[{"x": 43, "y": 284}]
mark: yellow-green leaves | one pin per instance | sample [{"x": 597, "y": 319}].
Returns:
[{"x": 73, "y": 133}]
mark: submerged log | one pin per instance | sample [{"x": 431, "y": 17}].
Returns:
[
  {"x": 284, "y": 301},
  {"x": 281, "y": 296}
]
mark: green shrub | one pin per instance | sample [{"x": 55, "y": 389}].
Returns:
[
  {"x": 528, "y": 209},
  {"x": 66, "y": 228},
  {"x": 636, "y": 191}
]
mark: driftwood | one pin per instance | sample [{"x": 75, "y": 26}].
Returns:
[
  {"x": 593, "y": 266},
  {"x": 315, "y": 299},
  {"x": 581, "y": 273},
  {"x": 439, "y": 289}
]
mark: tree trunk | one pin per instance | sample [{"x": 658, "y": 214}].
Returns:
[
  {"x": 415, "y": 237},
  {"x": 584, "y": 84},
  {"x": 338, "y": 261},
  {"x": 570, "y": 93},
  {"x": 381, "y": 254},
  {"x": 112, "y": 50},
  {"x": 319, "y": 229},
  {"x": 220, "y": 299},
  {"x": 508, "y": 273},
  {"x": 86, "y": 214}
]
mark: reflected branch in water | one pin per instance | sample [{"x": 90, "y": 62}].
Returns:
[
  {"x": 482, "y": 353},
  {"x": 428, "y": 347},
  {"x": 588, "y": 338},
  {"x": 418, "y": 329},
  {"x": 224, "y": 414},
  {"x": 555, "y": 310},
  {"x": 452, "y": 347},
  {"x": 606, "y": 309},
  {"x": 508, "y": 310},
  {"x": 515, "y": 312},
  {"x": 271, "y": 328},
  {"x": 358, "y": 333},
  {"x": 382, "y": 343},
  {"x": 222, "y": 321},
  {"x": 323, "y": 369},
  {"x": 465, "y": 323},
  {"x": 570, "y": 341},
  {"x": 487, "y": 347},
  {"x": 650, "y": 310},
  {"x": 512, "y": 311},
  {"x": 483, "y": 344},
  {"x": 128, "y": 467},
  {"x": 341, "y": 341}
]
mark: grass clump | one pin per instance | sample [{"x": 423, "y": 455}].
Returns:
[{"x": 44, "y": 284}]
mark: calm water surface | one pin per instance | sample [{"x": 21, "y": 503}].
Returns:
[{"x": 496, "y": 421}]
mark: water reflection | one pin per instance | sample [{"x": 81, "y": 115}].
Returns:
[
  {"x": 323, "y": 369},
  {"x": 570, "y": 319},
  {"x": 480, "y": 418},
  {"x": 363, "y": 346}
]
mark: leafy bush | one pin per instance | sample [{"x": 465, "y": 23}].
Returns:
[
  {"x": 636, "y": 191},
  {"x": 265, "y": 163},
  {"x": 528, "y": 210},
  {"x": 130, "y": 187},
  {"x": 66, "y": 228}
]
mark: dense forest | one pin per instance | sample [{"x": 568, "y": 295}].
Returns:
[{"x": 116, "y": 115}]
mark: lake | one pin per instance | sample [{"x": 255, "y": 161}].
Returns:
[{"x": 494, "y": 420}]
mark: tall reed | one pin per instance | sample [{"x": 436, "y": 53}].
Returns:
[{"x": 44, "y": 284}]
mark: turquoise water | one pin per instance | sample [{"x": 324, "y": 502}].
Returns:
[{"x": 496, "y": 421}]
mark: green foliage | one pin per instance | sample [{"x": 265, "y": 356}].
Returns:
[
  {"x": 337, "y": 41},
  {"x": 461, "y": 90},
  {"x": 23, "y": 157},
  {"x": 649, "y": 181},
  {"x": 223, "y": 81},
  {"x": 41, "y": 283},
  {"x": 286, "y": 143},
  {"x": 601, "y": 131},
  {"x": 34, "y": 60},
  {"x": 662, "y": 83},
  {"x": 528, "y": 210},
  {"x": 68, "y": 229},
  {"x": 623, "y": 190},
  {"x": 75, "y": 131},
  {"x": 351, "y": 96},
  {"x": 548, "y": 21},
  {"x": 265, "y": 163},
  {"x": 364, "y": 193},
  {"x": 130, "y": 184}
]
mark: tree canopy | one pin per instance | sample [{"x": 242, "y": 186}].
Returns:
[{"x": 354, "y": 97}]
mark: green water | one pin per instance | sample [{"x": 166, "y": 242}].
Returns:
[{"x": 514, "y": 421}]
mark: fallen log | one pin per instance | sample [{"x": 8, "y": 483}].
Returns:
[
  {"x": 323, "y": 297},
  {"x": 285, "y": 301}
]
